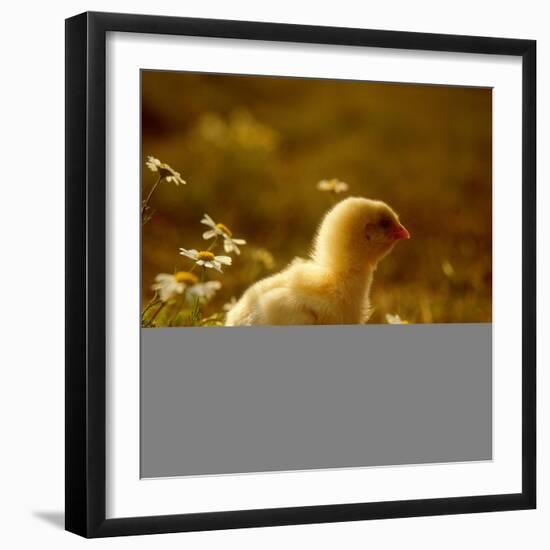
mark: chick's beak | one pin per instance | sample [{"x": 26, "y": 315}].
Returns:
[{"x": 400, "y": 232}]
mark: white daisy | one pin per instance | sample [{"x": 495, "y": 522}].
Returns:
[
  {"x": 334, "y": 185},
  {"x": 395, "y": 319},
  {"x": 165, "y": 171},
  {"x": 205, "y": 258},
  {"x": 203, "y": 291},
  {"x": 219, "y": 229},
  {"x": 169, "y": 286}
]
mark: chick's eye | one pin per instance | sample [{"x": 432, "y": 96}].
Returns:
[{"x": 385, "y": 223}]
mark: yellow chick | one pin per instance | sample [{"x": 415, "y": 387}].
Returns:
[{"x": 332, "y": 287}]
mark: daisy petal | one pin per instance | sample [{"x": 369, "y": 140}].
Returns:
[
  {"x": 230, "y": 246},
  {"x": 163, "y": 277},
  {"x": 192, "y": 253},
  {"x": 207, "y": 220},
  {"x": 224, "y": 260}
]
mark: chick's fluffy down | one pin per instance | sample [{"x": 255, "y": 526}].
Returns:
[
  {"x": 302, "y": 294},
  {"x": 332, "y": 287}
]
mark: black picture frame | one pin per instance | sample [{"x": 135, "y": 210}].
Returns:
[{"x": 86, "y": 284}]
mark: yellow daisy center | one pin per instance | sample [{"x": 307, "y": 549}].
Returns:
[
  {"x": 205, "y": 255},
  {"x": 186, "y": 277},
  {"x": 224, "y": 229}
]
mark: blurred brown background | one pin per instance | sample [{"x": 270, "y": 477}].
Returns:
[{"x": 252, "y": 150}]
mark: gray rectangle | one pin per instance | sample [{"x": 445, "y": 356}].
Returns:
[{"x": 261, "y": 399}]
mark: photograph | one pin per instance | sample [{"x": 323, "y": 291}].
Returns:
[{"x": 301, "y": 201}]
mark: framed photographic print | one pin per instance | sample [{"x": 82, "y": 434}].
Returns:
[{"x": 300, "y": 274}]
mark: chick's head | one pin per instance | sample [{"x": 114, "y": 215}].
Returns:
[{"x": 357, "y": 232}]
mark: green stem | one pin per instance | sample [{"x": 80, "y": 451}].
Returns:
[
  {"x": 212, "y": 244},
  {"x": 178, "y": 305},
  {"x": 156, "y": 313},
  {"x": 145, "y": 203},
  {"x": 196, "y": 311},
  {"x": 153, "y": 301}
]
